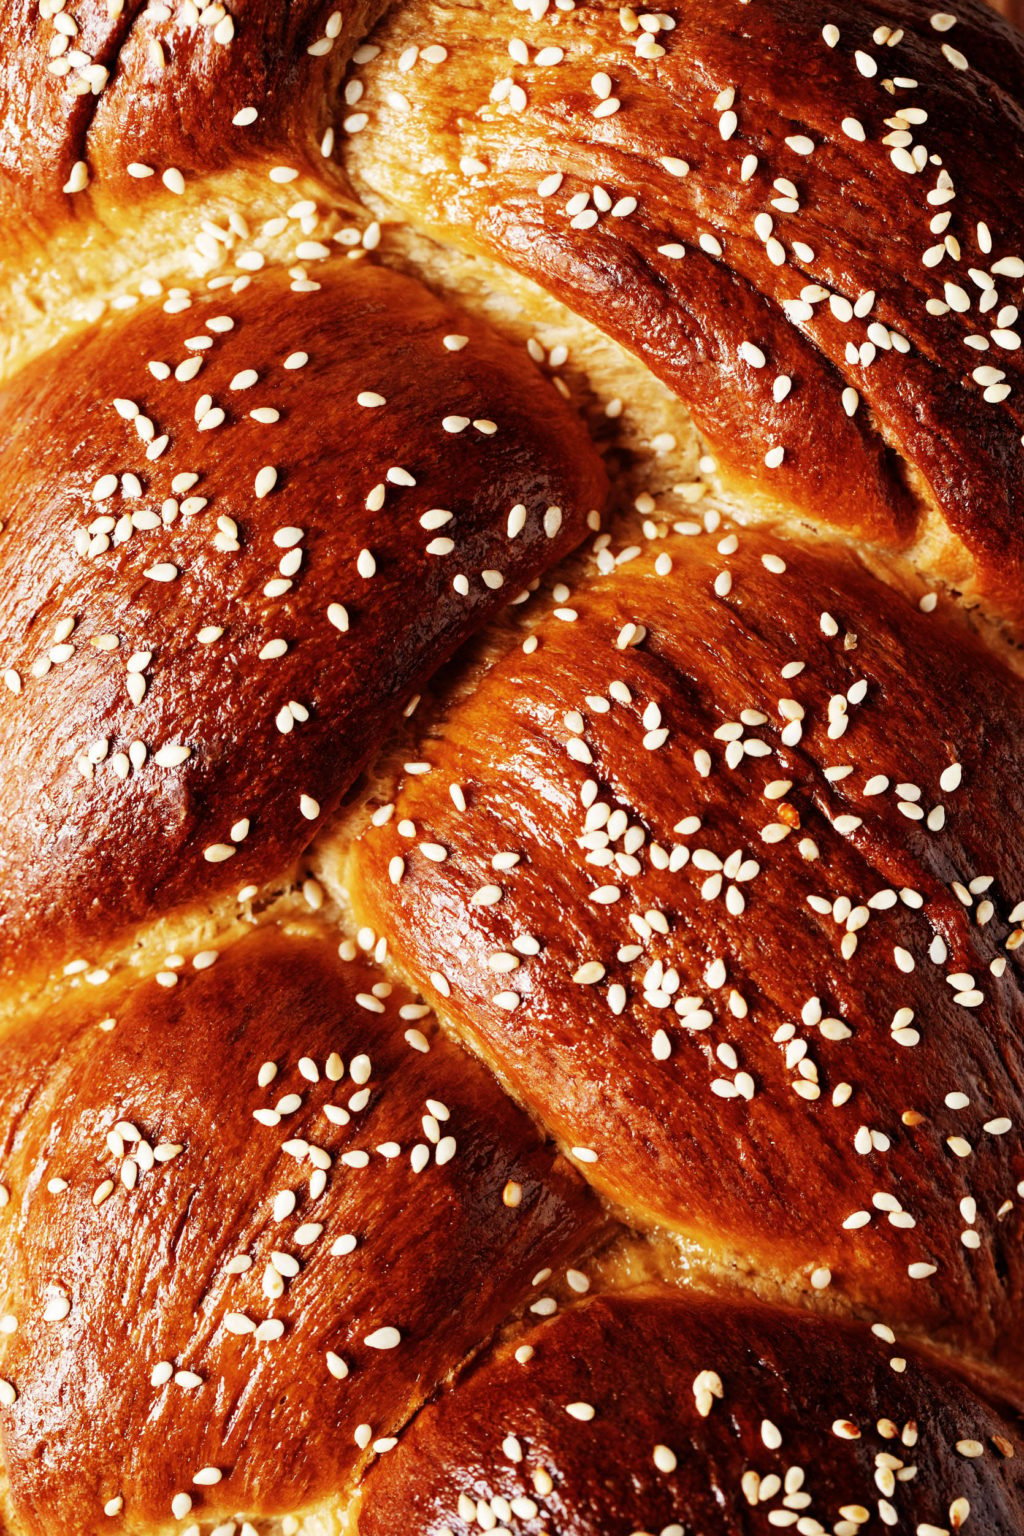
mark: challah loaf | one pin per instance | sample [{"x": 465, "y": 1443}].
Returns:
[{"x": 511, "y": 581}]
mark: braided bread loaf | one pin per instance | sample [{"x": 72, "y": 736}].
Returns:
[{"x": 511, "y": 593}]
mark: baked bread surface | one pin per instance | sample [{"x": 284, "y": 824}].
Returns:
[{"x": 512, "y": 759}]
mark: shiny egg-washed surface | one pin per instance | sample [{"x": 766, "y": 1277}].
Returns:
[{"x": 511, "y": 569}]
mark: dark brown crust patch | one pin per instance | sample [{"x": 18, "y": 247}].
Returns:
[
  {"x": 758, "y": 998},
  {"x": 812, "y": 1422},
  {"x": 95, "y": 838},
  {"x": 145, "y": 1272},
  {"x": 157, "y": 88},
  {"x": 704, "y": 265}
]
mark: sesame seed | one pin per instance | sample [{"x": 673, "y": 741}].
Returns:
[
  {"x": 216, "y": 853},
  {"x": 78, "y": 178},
  {"x": 57, "y": 1307},
  {"x": 383, "y": 1338},
  {"x": 172, "y": 756}
]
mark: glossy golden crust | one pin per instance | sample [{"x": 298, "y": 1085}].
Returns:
[
  {"x": 108, "y": 102},
  {"x": 182, "y": 706},
  {"x": 741, "y": 197},
  {"x": 647, "y": 1413},
  {"x": 722, "y": 891},
  {"x": 320, "y": 360},
  {"x": 115, "y": 1263}
]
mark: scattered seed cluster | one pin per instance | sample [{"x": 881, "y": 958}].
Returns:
[
  {"x": 713, "y": 783},
  {"x": 848, "y": 271},
  {"x": 222, "y": 569},
  {"x": 753, "y": 1435},
  {"x": 713, "y": 863},
  {"x": 351, "y": 1166}
]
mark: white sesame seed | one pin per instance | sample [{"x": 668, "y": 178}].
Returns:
[
  {"x": 665, "y": 1460},
  {"x": 78, "y": 178},
  {"x": 216, "y": 853},
  {"x": 266, "y": 479},
  {"x": 383, "y": 1338}
]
